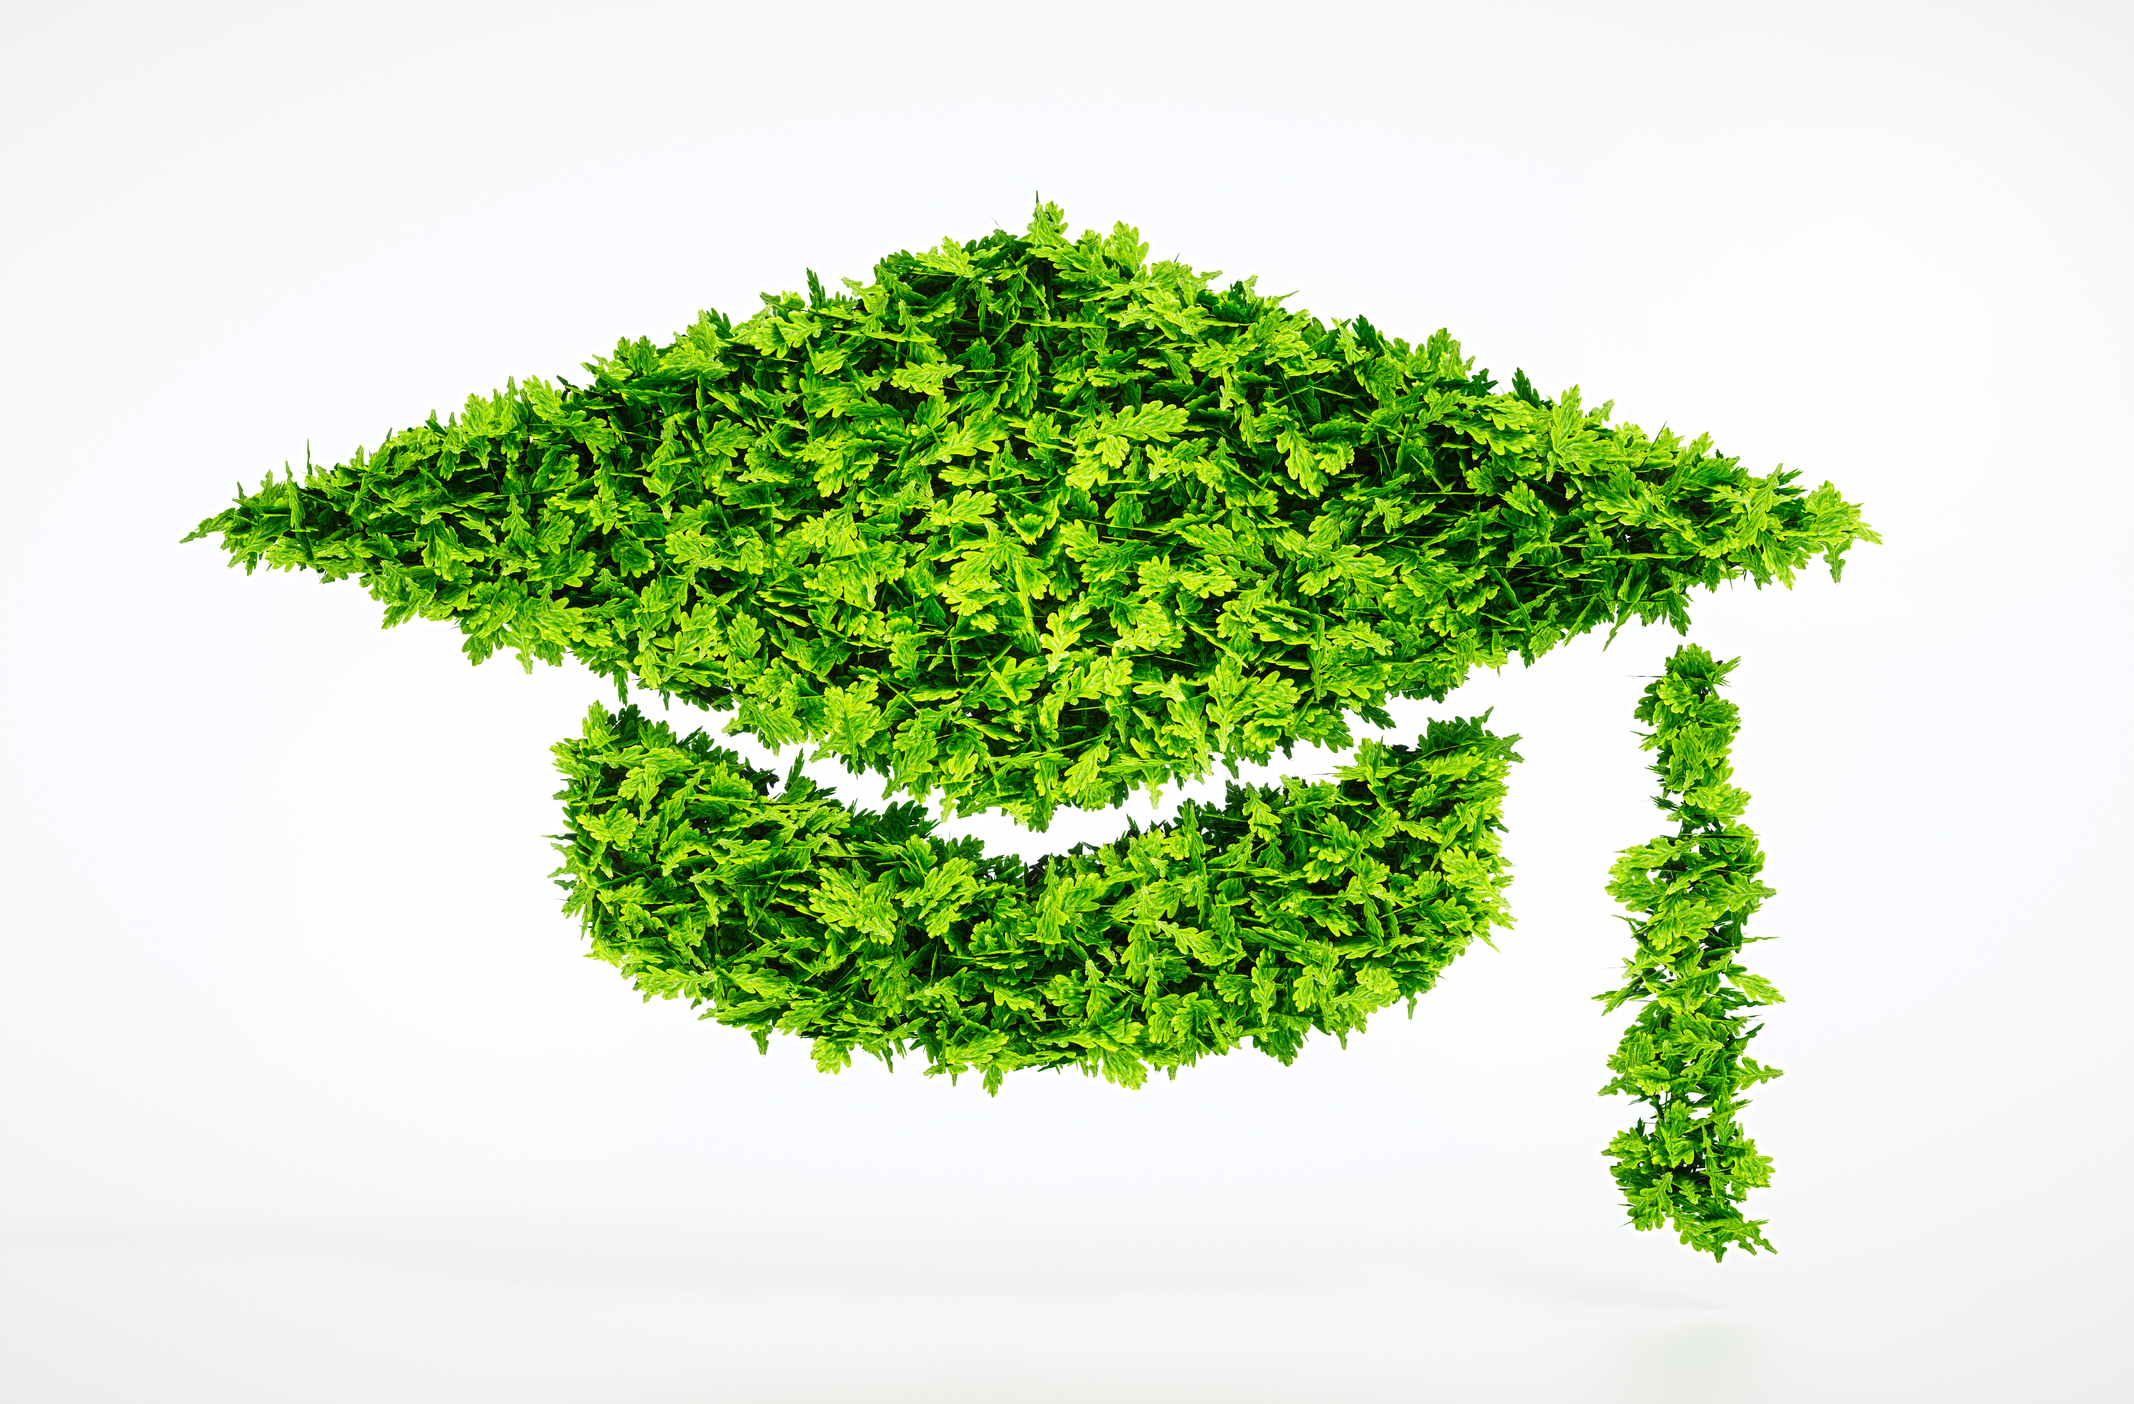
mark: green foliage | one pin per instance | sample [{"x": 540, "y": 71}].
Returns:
[
  {"x": 1683, "y": 1055},
  {"x": 1302, "y": 907},
  {"x": 1026, "y": 521}
]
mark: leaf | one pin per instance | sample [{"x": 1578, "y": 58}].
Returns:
[{"x": 925, "y": 378}]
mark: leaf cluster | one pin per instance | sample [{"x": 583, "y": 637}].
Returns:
[
  {"x": 1684, "y": 1054},
  {"x": 1288, "y": 909},
  {"x": 1026, "y": 521}
]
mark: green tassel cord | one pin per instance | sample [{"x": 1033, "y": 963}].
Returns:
[{"x": 1688, "y": 1163}]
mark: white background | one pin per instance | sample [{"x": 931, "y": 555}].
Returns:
[{"x": 308, "y": 1094}]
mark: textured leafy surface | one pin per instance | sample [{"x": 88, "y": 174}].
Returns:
[
  {"x": 1026, "y": 522},
  {"x": 1683, "y": 1056},
  {"x": 1289, "y": 909}
]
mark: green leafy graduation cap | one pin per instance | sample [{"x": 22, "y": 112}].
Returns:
[{"x": 1022, "y": 522}]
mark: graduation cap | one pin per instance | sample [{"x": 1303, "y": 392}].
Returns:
[{"x": 1026, "y": 522}]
